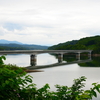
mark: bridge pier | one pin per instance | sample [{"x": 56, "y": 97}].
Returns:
[
  {"x": 33, "y": 60},
  {"x": 78, "y": 55},
  {"x": 89, "y": 55},
  {"x": 60, "y": 58}
]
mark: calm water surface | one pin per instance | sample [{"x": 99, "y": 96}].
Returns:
[{"x": 62, "y": 75}]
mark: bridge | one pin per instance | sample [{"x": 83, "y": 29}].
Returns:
[
  {"x": 42, "y": 51},
  {"x": 33, "y": 53},
  {"x": 57, "y": 64}
]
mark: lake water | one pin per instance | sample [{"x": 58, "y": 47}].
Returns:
[{"x": 62, "y": 75}]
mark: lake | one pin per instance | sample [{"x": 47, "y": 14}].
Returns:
[{"x": 62, "y": 75}]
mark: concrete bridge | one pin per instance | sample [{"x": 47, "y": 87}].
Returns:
[
  {"x": 33, "y": 53},
  {"x": 42, "y": 51}
]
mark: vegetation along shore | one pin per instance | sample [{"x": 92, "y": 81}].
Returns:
[{"x": 15, "y": 84}]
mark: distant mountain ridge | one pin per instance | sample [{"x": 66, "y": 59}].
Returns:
[
  {"x": 15, "y": 45},
  {"x": 2, "y": 41}
]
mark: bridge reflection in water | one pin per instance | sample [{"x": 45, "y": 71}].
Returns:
[
  {"x": 60, "y": 54},
  {"x": 57, "y": 64}
]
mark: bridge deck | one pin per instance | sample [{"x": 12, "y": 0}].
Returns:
[{"x": 41, "y": 51}]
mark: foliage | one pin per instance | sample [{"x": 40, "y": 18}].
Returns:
[
  {"x": 1, "y": 60},
  {"x": 95, "y": 62},
  {"x": 91, "y": 43},
  {"x": 16, "y": 85}
]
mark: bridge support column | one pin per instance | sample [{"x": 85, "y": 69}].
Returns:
[
  {"x": 33, "y": 60},
  {"x": 89, "y": 55},
  {"x": 60, "y": 58},
  {"x": 78, "y": 55}
]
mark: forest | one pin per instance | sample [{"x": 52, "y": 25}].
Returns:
[
  {"x": 13, "y": 46},
  {"x": 87, "y": 43}
]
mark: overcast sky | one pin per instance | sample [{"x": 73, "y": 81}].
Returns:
[{"x": 48, "y": 22}]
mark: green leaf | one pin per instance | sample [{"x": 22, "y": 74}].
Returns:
[
  {"x": 6, "y": 82},
  {"x": 3, "y": 57},
  {"x": 94, "y": 93},
  {"x": 1, "y": 60},
  {"x": 97, "y": 89},
  {"x": 98, "y": 85},
  {"x": 94, "y": 84}
]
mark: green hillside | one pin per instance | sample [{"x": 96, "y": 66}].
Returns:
[{"x": 88, "y": 43}]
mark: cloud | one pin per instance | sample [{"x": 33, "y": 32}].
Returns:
[
  {"x": 48, "y": 22},
  {"x": 12, "y": 26},
  {"x": 3, "y": 31}
]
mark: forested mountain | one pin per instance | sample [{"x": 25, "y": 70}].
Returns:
[
  {"x": 88, "y": 43},
  {"x": 15, "y": 45}
]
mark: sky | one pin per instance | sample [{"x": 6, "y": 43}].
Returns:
[{"x": 48, "y": 22}]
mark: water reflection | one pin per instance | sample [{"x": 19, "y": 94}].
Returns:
[
  {"x": 93, "y": 62},
  {"x": 23, "y": 60},
  {"x": 63, "y": 74},
  {"x": 57, "y": 64},
  {"x": 62, "y": 60},
  {"x": 20, "y": 60}
]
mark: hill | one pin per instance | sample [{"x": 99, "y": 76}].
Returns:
[
  {"x": 15, "y": 45},
  {"x": 2, "y": 41},
  {"x": 88, "y": 43}
]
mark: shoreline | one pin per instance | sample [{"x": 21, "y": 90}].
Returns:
[
  {"x": 29, "y": 71},
  {"x": 95, "y": 55}
]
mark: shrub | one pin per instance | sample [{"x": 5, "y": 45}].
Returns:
[{"x": 16, "y": 85}]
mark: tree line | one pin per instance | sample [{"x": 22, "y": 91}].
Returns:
[
  {"x": 13, "y": 46},
  {"x": 88, "y": 43}
]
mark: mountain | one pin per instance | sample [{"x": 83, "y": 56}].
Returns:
[
  {"x": 15, "y": 45},
  {"x": 2, "y": 41},
  {"x": 87, "y": 43}
]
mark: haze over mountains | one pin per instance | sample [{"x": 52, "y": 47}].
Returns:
[
  {"x": 2, "y": 41},
  {"x": 15, "y": 45}
]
